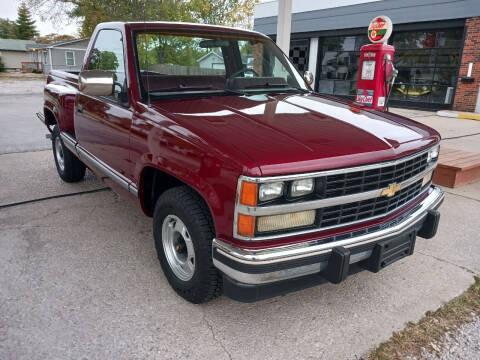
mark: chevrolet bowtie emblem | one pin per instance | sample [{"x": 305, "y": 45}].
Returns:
[{"x": 391, "y": 190}]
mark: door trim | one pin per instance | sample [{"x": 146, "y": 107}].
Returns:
[{"x": 72, "y": 144}]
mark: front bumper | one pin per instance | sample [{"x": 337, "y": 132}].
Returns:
[{"x": 251, "y": 275}]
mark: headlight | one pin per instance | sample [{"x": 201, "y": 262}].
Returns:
[
  {"x": 301, "y": 187},
  {"x": 433, "y": 153},
  {"x": 270, "y": 191},
  {"x": 286, "y": 221}
]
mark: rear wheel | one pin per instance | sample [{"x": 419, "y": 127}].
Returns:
[
  {"x": 69, "y": 167},
  {"x": 183, "y": 232}
]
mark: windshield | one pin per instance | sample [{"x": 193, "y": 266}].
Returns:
[{"x": 185, "y": 64}]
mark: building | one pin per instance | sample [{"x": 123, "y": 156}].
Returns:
[
  {"x": 14, "y": 52},
  {"x": 64, "y": 55},
  {"x": 211, "y": 60},
  {"x": 436, "y": 42}
]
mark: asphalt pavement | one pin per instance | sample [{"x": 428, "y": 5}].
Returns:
[{"x": 79, "y": 276}]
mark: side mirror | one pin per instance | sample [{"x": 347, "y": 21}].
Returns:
[
  {"x": 308, "y": 77},
  {"x": 96, "y": 82}
]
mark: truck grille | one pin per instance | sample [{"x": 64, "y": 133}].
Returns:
[
  {"x": 361, "y": 181},
  {"x": 363, "y": 210}
]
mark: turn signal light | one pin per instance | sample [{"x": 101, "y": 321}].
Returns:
[
  {"x": 246, "y": 225},
  {"x": 248, "y": 195}
]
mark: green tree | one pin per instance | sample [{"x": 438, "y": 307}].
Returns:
[
  {"x": 91, "y": 12},
  {"x": 7, "y": 29},
  {"x": 103, "y": 60},
  {"x": 51, "y": 38},
  {"x": 25, "y": 25},
  {"x": 2, "y": 65}
]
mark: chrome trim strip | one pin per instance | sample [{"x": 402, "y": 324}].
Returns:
[
  {"x": 69, "y": 142},
  {"x": 100, "y": 165},
  {"x": 41, "y": 117},
  {"x": 316, "y": 247},
  {"x": 121, "y": 180},
  {"x": 265, "y": 278},
  {"x": 335, "y": 171},
  {"x": 316, "y": 204}
]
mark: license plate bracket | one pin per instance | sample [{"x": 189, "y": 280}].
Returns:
[{"x": 388, "y": 251}]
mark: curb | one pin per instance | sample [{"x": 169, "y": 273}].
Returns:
[{"x": 452, "y": 114}]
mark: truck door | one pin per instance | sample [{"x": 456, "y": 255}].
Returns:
[{"x": 102, "y": 124}]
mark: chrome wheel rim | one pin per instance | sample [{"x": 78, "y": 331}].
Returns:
[
  {"x": 178, "y": 247},
  {"x": 59, "y": 153}
]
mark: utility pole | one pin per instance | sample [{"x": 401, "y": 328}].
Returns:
[{"x": 284, "y": 25}]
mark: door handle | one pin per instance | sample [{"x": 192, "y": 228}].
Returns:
[{"x": 80, "y": 108}]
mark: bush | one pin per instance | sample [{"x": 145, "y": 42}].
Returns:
[{"x": 2, "y": 66}]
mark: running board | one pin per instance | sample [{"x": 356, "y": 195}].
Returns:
[{"x": 72, "y": 144}]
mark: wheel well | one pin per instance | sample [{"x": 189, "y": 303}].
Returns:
[
  {"x": 49, "y": 117},
  {"x": 155, "y": 183}
]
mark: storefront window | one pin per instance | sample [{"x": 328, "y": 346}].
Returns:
[
  {"x": 339, "y": 66},
  {"x": 299, "y": 54},
  {"x": 427, "y": 62}
]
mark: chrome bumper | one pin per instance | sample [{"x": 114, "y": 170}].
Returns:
[{"x": 263, "y": 266}]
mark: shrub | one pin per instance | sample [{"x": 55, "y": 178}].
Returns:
[{"x": 2, "y": 66}]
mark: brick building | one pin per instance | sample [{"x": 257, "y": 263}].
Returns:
[{"x": 437, "y": 46}]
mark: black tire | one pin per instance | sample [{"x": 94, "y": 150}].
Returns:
[
  {"x": 73, "y": 169},
  {"x": 185, "y": 204}
]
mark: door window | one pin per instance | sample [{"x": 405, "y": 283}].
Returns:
[{"x": 107, "y": 54}]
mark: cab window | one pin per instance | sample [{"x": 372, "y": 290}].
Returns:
[{"x": 107, "y": 54}]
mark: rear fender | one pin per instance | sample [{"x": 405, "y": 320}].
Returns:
[{"x": 59, "y": 101}]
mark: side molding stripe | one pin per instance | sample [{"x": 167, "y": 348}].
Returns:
[{"x": 74, "y": 147}]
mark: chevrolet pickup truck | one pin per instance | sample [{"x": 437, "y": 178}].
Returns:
[{"x": 257, "y": 185}]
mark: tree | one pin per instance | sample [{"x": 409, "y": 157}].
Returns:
[
  {"x": 7, "y": 29},
  {"x": 91, "y": 12},
  {"x": 52, "y": 38},
  {"x": 25, "y": 25}
]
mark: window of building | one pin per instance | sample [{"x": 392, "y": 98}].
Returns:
[
  {"x": 339, "y": 64},
  {"x": 107, "y": 54},
  {"x": 70, "y": 58},
  {"x": 427, "y": 62},
  {"x": 45, "y": 57},
  {"x": 298, "y": 54}
]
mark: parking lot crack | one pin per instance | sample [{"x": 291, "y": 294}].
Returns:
[
  {"x": 210, "y": 326},
  {"x": 473, "y": 272},
  {"x": 463, "y": 196}
]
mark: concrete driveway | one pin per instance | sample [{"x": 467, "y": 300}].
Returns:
[{"x": 79, "y": 278}]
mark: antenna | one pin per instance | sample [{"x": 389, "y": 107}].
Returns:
[{"x": 149, "y": 103}]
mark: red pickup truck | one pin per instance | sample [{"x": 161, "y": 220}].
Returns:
[{"x": 257, "y": 186}]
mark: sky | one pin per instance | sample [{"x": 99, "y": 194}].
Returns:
[{"x": 8, "y": 9}]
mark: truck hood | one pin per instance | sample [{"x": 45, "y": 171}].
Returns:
[{"x": 298, "y": 133}]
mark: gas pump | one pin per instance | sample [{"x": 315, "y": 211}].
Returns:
[{"x": 376, "y": 74}]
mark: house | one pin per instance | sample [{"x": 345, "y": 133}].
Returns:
[
  {"x": 63, "y": 55},
  {"x": 14, "y": 52},
  {"x": 211, "y": 60}
]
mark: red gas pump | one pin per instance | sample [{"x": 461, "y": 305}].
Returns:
[{"x": 376, "y": 74}]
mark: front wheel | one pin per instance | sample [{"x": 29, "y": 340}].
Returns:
[
  {"x": 69, "y": 167},
  {"x": 183, "y": 233}
]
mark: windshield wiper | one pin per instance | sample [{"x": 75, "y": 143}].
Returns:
[
  {"x": 266, "y": 85},
  {"x": 186, "y": 87},
  {"x": 181, "y": 88}
]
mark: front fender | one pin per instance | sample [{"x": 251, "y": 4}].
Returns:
[{"x": 181, "y": 155}]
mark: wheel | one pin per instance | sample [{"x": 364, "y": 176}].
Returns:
[
  {"x": 183, "y": 232},
  {"x": 69, "y": 167}
]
